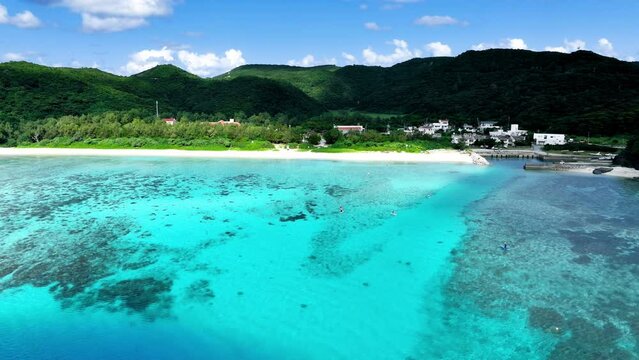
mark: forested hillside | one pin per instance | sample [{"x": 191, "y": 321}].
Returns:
[
  {"x": 31, "y": 92},
  {"x": 580, "y": 92},
  {"x": 576, "y": 93}
]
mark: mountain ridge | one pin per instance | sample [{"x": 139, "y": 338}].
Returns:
[{"x": 544, "y": 91}]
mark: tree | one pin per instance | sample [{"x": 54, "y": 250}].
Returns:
[
  {"x": 630, "y": 156},
  {"x": 5, "y": 133},
  {"x": 332, "y": 136},
  {"x": 314, "y": 138}
]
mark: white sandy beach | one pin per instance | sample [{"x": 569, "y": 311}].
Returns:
[{"x": 434, "y": 156}]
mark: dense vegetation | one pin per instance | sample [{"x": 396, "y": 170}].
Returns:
[
  {"x": 31, "y": 92},
  {"x": 580, "y": 93},
  {"x": 630, "y": 155},
  {"x": 114, "y": 130}
]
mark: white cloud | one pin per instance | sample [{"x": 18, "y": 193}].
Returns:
[
  {"x": 206, "y": 64},
  {"x": 147, "y": 59},
  {"x": 123, "y": 8},
  {"x": 606, "y": 47},
  {"x": 560, "y": 49},
  {"x": 439, "y": 49},
  {"x": 517, "y": 44},
  {"x": 509, "y": 43},
  {"x": 350, "y": 58},
  {"x": 435, "y": 20},
  {"x": 25, "y": 19},
  {"x": 115, "y": 15},
  {"x": 210, "y": 64},
  {"x": 92, "y": 23},
  {"x": 372, "y": 26},
  {"x": 309, "y": 60},
  {"x": 363, "y": 7},
  {"x": 568, "y": 46},
  {"x": 401, "y": 53},
  {"x": 631, "y": 58},
  {"x": 13, "y": 57}
]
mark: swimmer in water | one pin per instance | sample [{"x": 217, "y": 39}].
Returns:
[
  {"x": 394, "y": 213},
  {"x": 504, "y": 247},
  {"x": 341, "y": 209}
]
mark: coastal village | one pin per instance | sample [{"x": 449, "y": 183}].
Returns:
[
  {"x": 487, "y": 139},
  {"x": 487, "y": 134}
]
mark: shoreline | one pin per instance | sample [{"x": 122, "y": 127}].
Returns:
[
  {"x": 433, "y": 156},
  {"x": 585, "y": 169},
  {"x": 617, "y": 171}
]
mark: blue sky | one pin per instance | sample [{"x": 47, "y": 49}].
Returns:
[{"x": 213, "y": 36}]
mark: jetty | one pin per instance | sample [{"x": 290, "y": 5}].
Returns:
[
  {"x": 506, "y": 153},
  {"x": 565, "y": 161}
]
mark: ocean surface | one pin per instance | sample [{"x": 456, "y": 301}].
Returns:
[{"x": 134, "y": 258}]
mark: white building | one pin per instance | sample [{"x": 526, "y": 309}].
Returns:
[
  {"x": 432, "y": 128},
  {"x": 441, "y": 125},
  {"x": 426, "y": 129},
  {"x": 549, "y": 139},
  {"x": 467, "y": 138},
  {"x": 484, "y": 125},
  {"x": 468, "y": 128},
  {"x": 514, "y": 131}
]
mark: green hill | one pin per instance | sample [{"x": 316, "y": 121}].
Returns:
[
  {"x": 580, "y": 92},
  {"x": 31, "y": 92},
  {"x": 318, "y": 82},
  {"x": 577, "y": 93}
]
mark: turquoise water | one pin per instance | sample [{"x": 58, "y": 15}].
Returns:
[{"x": 112, "y": 258}]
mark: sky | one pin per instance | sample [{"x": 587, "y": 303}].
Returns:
[{"x": 211, "y": 37}]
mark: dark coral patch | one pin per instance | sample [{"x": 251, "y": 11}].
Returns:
[
  {"x": 200, "y": 290},
  {"x": 136, "y": 294},
  {"x": 596, "y": 242},
  {"x": 293, "y": 218},
  {"x": 582, "y": 260},
  {"x": 589, "y": 342},
  {"x": 546, "y": 319},
  {"x": 337, "y": 191}
]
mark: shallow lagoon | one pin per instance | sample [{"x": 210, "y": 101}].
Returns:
[{"x": 112, "y": 258}]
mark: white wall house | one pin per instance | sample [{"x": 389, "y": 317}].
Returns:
[
  {"x": 441, "y": 125},
  {"x": 432, "y": 128},
  {"x": 426, "y": 129},
  {"x": 483, "y": 125},
  {"x": 514, "y": 131},
  {"x": 549, "y": 139},
  {"x": 468, "y": 128}
]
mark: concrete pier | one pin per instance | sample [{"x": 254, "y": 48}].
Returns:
[{"x": 505, "y": 153}]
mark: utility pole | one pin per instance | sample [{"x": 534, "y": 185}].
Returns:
[{"x": 157, "y": 109}]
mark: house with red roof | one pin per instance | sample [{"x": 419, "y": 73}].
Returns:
[
  {"x": 345, "y": 129},
  {"x": 231, "y": 122}
]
